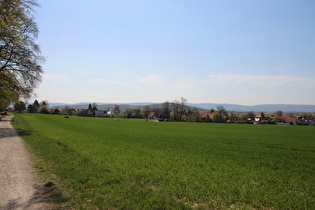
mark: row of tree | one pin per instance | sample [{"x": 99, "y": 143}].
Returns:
[{"x": 36, "y": 107}]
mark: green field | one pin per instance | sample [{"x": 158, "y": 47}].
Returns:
[{"x": 133, "y": 164}]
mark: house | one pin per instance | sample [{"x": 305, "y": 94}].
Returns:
[
  {"x": 152, "y": 116},
  {"x": 206, "y": 116},
  {"x": 288, "y": 119},
  {"x": 100, "y": 113},
  {"x": 116, "y": 112},
  {"x": 261, "y": 119},
  {"x": 308, "y": 120}
]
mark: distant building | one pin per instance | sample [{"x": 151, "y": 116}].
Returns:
[
  {"x": 288, "y": 119},
  {"x": 100, "y": 113},
  {"x": 116, "y": 111},
  {"x": 308, "y": 120},
  {"x": 152, "y": 116},
  {"x": 261, "y": 119},
  {"x": 206, "y": 116}
]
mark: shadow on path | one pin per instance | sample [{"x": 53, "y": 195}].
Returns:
[
  {"x": 11, "y": 132},
  {"x": 45, "y": 197},
  {"x": 34, "y": 203}
]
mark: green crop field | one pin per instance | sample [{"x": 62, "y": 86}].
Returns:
[{"x": 133, "y": 164}]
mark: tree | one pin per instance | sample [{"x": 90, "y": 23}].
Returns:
[
  {"x": 183, "y": 102},
  {"x": 279, "y": 113},
  {"x": 128, "y": 113},
  {"x": 66, "y": 110},
  {"x": 223, "y": 113},
  {"x": 208, "y": 119},
  {"x": 30, "y": 108},
  {"x": 33, "y": 108},
  {"x": 190, "y": 111},
  {"x": 20, "y": 56},
  {"x": 233, "y": 116},
  {"x": 36, "y": 103},
  {"x": 36, "y": 106},
  {"x": 251, "y": 115},
  {"x": 146, "y": 112},
  {"x": 166, "y": 110},
  {"x": 278, "y": 116},
  {"x": 305, "y": 115},
  {"x": 19, "y": 106},
  {"x": 8, "y": 94},
  {"x": 196, "y": 116},
  {"x": 116, "y": 111},
  {"x": 216, "y": 117},
  {"x": 221, "y": 109},
  {"x": 176, "y": 110},
  {"x": 91, "y": 110},
  {"x": 94, "y": 108},
  {"x": 56, "y": 110},
  {"x": 157, "y": 112},
  {"x": 43, "y": 108},
  {"x": 262, "y": 115},
  {"x": 243, "y": 118},
  {"x": 44, "y": 103}
]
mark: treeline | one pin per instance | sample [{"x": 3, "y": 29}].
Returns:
[{"x": 177, "y": 111}]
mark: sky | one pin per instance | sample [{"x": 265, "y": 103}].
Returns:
[{"x": 246, "y": 52}]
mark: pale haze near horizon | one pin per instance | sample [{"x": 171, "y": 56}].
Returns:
[{"x": 238, "y": 52}]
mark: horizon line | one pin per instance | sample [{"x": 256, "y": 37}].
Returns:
[{"x": 126, "y": 103}]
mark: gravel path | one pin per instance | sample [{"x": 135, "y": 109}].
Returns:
[{"x": 18, "y": 189}]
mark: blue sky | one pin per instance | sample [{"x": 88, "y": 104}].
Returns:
[{"x": 208, "y": 51}]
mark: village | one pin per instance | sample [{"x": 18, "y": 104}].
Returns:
[
  {"x": 209, "y": 116},
  {"x": 172, "y": 111}
]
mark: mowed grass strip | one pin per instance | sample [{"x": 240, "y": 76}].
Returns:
[{"x": 133, "y": 164}]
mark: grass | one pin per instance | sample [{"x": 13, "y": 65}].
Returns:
[{"x": 133, "y": 164}]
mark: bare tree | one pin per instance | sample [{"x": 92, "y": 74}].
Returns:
[
  {"x": 183, "y": 102},
  {"x": 166, "y": 110},
  {"x": 176, "y": 110},
  {"x": 251, "y": 115},
  {"x": 146, "y": 112},
  {"x": 222, "y": 113}
]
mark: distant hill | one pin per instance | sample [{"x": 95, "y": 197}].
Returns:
[
  {"x": 100, "y": 106},
  {"x": 260, "y": 108},
  {"x": 201, "y": 106}
]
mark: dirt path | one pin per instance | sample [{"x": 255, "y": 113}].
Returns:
[{"x": 18, "y": 189}]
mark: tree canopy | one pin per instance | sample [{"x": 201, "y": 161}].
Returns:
[
  {"x": 20, "y": 56},
  {"x": 146, "y": 112}
]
